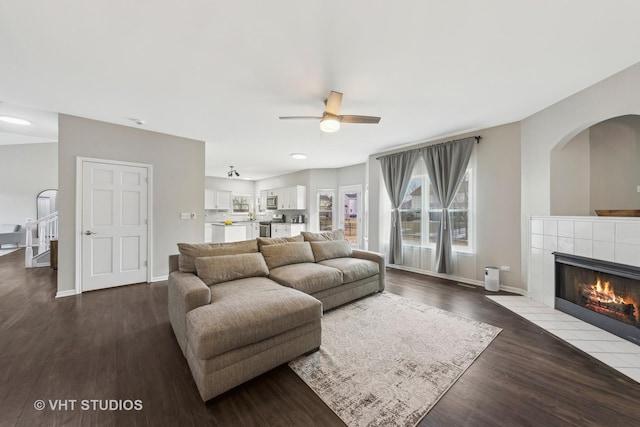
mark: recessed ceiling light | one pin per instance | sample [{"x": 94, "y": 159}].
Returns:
[
  {"x": 15, "y": 120},
  {"x": 298, "y": 156}
]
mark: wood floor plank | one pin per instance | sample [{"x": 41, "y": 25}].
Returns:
[{"x": 118, "y": 344}]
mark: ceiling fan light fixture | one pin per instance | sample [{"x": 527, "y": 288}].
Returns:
[{"x": 329, "y": 124}]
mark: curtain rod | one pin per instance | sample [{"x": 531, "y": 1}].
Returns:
[{"x": 477, "y": 138}]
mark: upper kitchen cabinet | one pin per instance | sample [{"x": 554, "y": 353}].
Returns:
[
  {"x": 217, "y": 200},
  {"x": 292, "y": 197}
]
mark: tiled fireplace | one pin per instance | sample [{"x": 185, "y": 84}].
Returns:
[
  {"x": 601, "y": 238},
  {"x": 600, "y": 241}
]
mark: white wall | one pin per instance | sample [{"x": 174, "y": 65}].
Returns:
[
  {"x": 615, "y": 96},
  {"x": 25, "y": 170},
  {"x": 313, "y": 180},
  {"x": 178, "y": 184}
]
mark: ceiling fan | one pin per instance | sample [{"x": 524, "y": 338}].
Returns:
[{"x": 330, "y": 120}]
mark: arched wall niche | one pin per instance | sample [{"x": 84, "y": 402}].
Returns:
[{"x": 596, "y": 167}]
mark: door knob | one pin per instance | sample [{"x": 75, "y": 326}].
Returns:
[{"x": 89, "y": 232}]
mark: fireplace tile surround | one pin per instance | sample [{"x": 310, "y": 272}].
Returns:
[{"x": 603, "y": 238}]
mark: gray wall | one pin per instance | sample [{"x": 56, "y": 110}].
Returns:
[
  {"x": 554, "y": 126},
  {"x": 25, "y": 170},
  {"x": 178, "y": 184},
  {"x": 497, "y": 177},
  {"x": 615, "y": 164},
  {"x": 570, "y": 175}
]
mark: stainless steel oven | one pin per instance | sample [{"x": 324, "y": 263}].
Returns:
[
  {"x": 272, "y": 202},
  {"x": 265, "y": 229}
]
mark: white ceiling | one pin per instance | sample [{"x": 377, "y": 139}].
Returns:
[{"x": 224, "y": 71}]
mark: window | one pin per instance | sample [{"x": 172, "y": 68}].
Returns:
[
  {"x": 422, "y": 230},
  {"x": 325, "y": 210},
  {"x": 241, "y": 203}
]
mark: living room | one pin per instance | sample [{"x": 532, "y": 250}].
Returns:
[{"x": 525, "y": 108}]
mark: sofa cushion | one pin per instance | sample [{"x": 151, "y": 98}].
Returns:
[
  {"x": 326, "y": 235},
  {"x": 12, "y": 228},
  {"x": 329, "y": 249},
  {"x": 189, "y": 252},
  {"x": 217, "y": 269},
  {"x": 307, "y": 277},
  {"x": 263, "y": 241},
  {"x": 247, "y": 311},
  {"x": 287, "y": 253},
  {"x": 353, "y": 268}
]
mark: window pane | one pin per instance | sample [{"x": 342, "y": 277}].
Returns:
[
  {"x": 459, "y": 220},
  {"x": 411, "y": 213},
  {"x": 241, "y": 203},
  {"x": 325, "y": 210},
  {"x": 411, "y": 228}
]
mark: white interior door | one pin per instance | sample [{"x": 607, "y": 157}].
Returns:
[
  {"x": 350, "y": 213},
  {"x": 114, "y": 224}
]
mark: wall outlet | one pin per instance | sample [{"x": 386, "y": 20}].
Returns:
[
  {"x": 638, "y": 188},
  {"x": 505, "y": 268},
  {"x": 185, "y": 215}
]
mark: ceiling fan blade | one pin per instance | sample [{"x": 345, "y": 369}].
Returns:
[
  {"x": 333, "y": 103},
  {"x": 299, "y": 118},
  {"x": 359, "y": 119}
]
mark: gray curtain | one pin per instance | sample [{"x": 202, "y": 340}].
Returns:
[
  {"x": 446, "y": 165},
  {"x": 396, "y": 172}
]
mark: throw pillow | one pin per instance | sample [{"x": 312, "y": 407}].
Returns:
[
  {"x": 326, "y": 235},
  {"x": 287, "y": 253},
  {"x": 330, "y": 249},
  {"x": 224, "y": 268},
  {"x": 263, "y": 241},
  {"x": 189, "y": 252}
]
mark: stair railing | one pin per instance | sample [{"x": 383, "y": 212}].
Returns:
[{"x": 47, "y": 229}]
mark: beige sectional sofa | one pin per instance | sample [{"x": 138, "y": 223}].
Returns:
[{"x": 240, "y": 309}]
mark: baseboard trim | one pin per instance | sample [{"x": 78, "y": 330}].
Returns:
[
  {"x": 67, "y": 293},
  {"x": 159, "y": 278},
  {"x": 479, "y": 283}
]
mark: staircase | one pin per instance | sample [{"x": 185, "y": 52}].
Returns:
[{"x": 40, "y": 255}]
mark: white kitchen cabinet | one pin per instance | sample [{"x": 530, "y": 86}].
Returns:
[
  {"x": 229, "y": 233},
  {"x": 263, "y": 201},
  {"x": 294, "y": 198},
  {"x": 217, "y": 199},
  {"x": 208, "y": 232},
  {"x": 286, "y": 230},
  {"x": 253, "y": 230},
  {"x": 297, "y": 229},
  {"x": 280, "y": 230}
]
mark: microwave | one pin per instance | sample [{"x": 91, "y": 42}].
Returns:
[{"x": 272, "y": 202}]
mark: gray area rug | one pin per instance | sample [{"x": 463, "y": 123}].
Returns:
[{"x": 386, "y": 360}]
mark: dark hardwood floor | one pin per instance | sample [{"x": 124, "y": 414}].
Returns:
[{"x": 117, "y": 344}]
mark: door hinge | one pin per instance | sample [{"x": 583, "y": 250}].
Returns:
[
  {"x": 146, "y": 264},
  {"x": 146, "y": 222},
  {"x": 146, "y": 179}
]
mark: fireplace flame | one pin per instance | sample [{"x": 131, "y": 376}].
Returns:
[
  {"x": 605, "y": 293},
  {"x": 601, "y": 297}
]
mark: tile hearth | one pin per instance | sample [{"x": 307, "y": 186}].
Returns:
[{"x": 614, "y": 351}]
